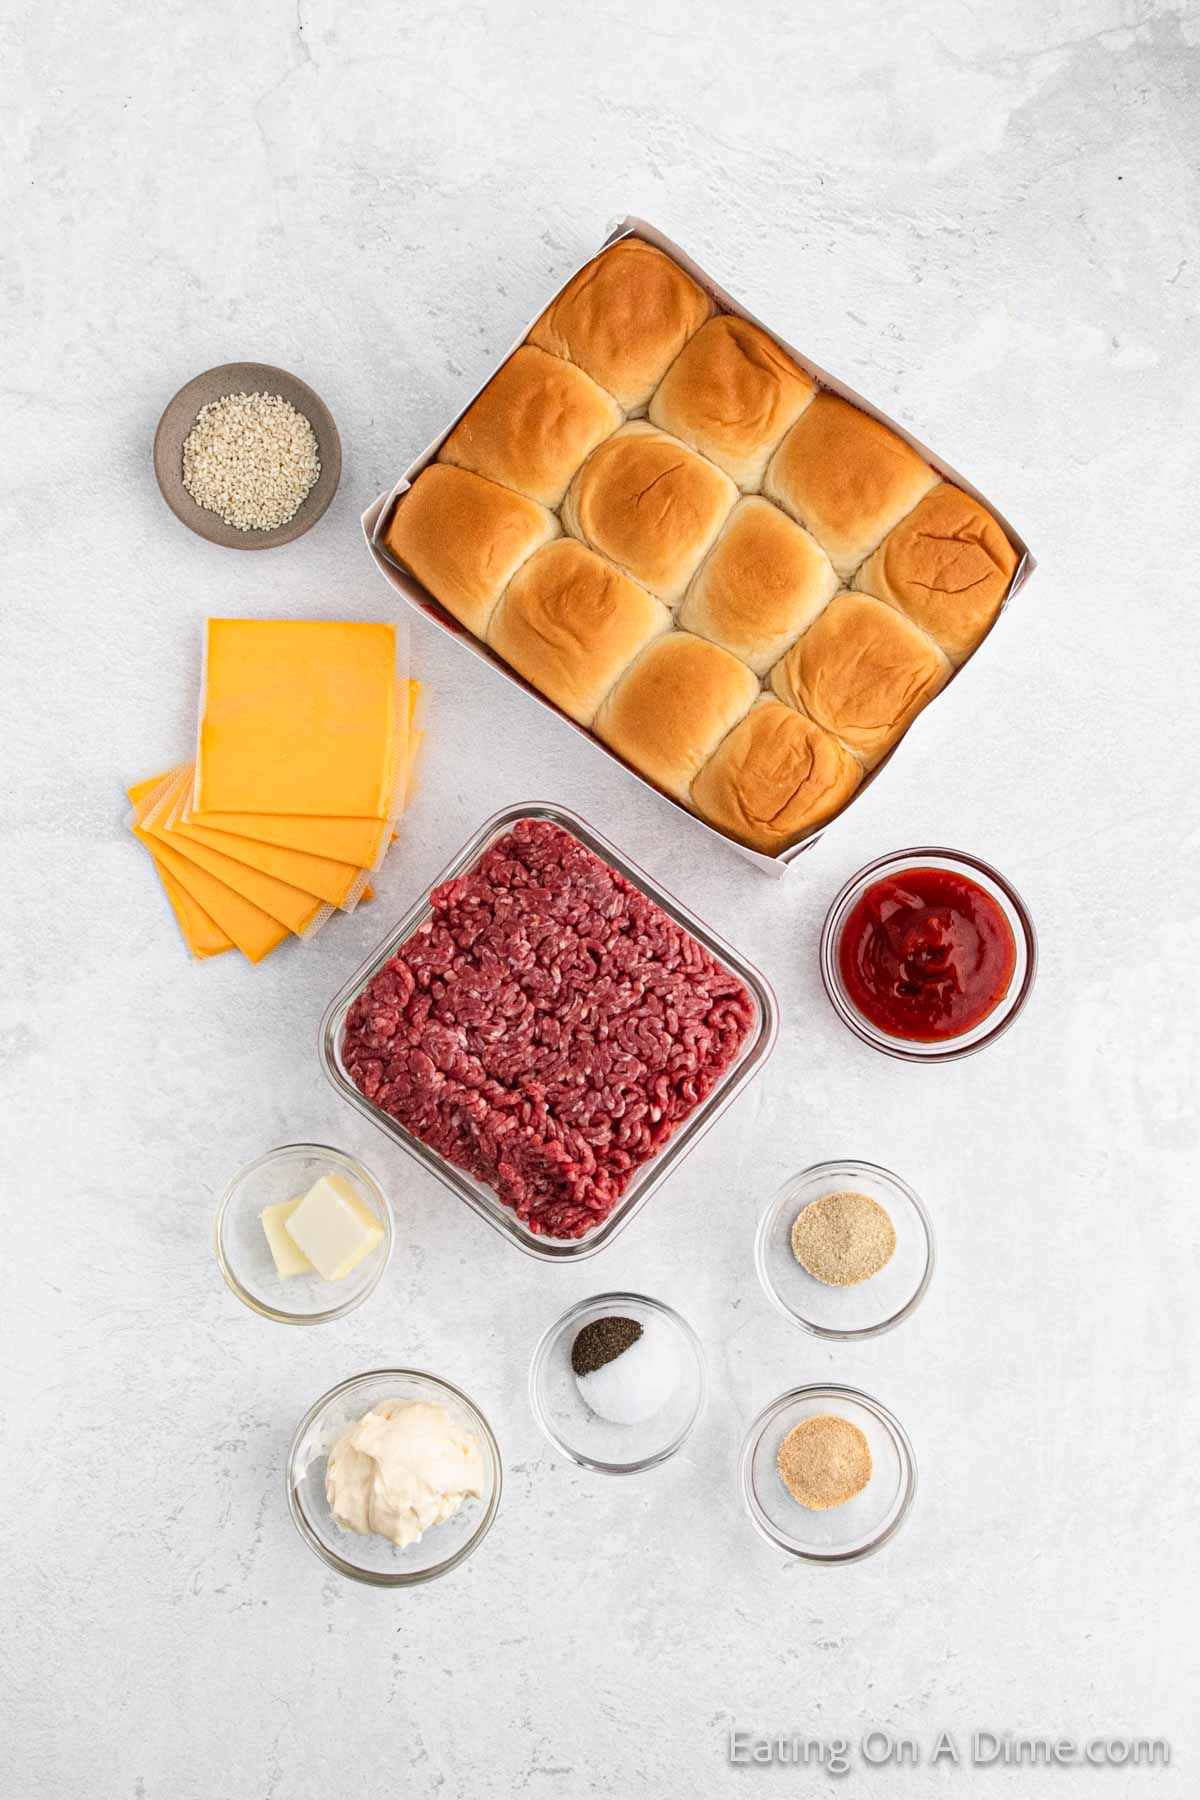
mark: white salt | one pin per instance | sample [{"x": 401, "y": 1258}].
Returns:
[{"x": 639, "y": 1382}]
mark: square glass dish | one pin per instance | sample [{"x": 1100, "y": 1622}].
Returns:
[{"x": 759, "y": 1042}]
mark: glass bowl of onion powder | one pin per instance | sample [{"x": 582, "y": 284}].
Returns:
[
  {"x": 845, "y": 1250},
  {"x": 827, "y": 1473}
]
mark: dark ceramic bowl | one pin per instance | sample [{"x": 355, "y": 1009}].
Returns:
[{"x": 180, "y": 416}]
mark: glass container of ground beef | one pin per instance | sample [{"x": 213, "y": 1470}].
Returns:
[{"x": 548, "y": 1032}]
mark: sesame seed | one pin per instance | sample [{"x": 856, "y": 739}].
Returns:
[{"x": 251, "y": 459}]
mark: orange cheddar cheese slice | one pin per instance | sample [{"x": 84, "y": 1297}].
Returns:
[
  {"x": 338, "y": 883},
  {"x": 303, "y": 914},
  {"x": 253, "y": 931},
  {"x": 301, "y": 716},
  {"x": 363, "y": 842},
  {"x": 202, "y": 935}
]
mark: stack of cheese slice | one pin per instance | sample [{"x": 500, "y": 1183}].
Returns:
[{"x": 302, "y": 767}]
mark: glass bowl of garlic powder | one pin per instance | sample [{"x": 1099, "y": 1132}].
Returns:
[
  {"x": 827, "y": 1473},
  {"x": 845, "y": 1250}
]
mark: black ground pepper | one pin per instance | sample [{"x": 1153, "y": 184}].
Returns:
[{"x": 602, "y": 1342}]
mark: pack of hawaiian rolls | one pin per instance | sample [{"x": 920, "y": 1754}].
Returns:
[{"x": 700, "y": 547}]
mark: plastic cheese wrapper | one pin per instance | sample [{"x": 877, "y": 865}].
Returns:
[
  {"x": 201, "y": 933},
  {"x": 253, "y": 931},
  {"x": 340, "y": 884},
  {"x": 303, "y": 716},
  {"x": 301, "y": 913},
  {"x": 363, "y": 842}
]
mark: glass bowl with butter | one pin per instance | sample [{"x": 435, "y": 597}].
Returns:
[
  {"x": 303, "y": 1234},
  {"x": 394, "y": 1477}
]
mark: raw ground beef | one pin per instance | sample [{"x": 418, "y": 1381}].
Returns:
[{"x": 547, "y": 1029}]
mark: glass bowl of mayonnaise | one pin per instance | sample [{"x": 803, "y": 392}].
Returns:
[{"x": 394, "y": 1477}]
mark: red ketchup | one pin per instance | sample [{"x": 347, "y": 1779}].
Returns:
[{"x": 926, "y": 954}]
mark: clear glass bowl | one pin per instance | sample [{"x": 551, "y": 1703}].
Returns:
[
  {"x": 244, "y": 1255},
  {"x": 841, "y": 1534},
  {"x": 369, "y": 1558},
  {"x": 869, "y": 1307},
  {"x": 758, "y": 1045},
  {"x": 1001, "y": 1016},
  {"x": 572, "y": 1426}
]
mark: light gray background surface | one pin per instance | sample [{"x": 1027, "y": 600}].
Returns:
[{"x": 985, "y": 218}]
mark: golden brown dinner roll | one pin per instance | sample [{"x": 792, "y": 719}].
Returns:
[
  {"x": 650, "y": 505},
  {"x": 570, "y": 623},
  {"x": 863, "y": 671},
  {"x": 670, "y": 710},
  {"x": 624, "y": 319},
  {"x": 532, "y": 426},
  {"x": 947, "y": 565},
  {"x": 775, "y": 778},
  {"x": 465, "y": 538},
  {"x": 846, "y": 478},
  {"x": 732, "y": 393},
  {"x": 761, "y": 585}
]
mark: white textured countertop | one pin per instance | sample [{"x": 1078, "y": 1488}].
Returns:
[{"x": 984, "y": 218}]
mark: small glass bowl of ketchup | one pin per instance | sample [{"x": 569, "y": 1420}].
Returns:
[{"x": 928, "y": 954}]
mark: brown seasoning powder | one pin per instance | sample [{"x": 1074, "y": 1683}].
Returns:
[
  {"x": 843, "y": 1238},
  {"x": 824, "y": 1461}
]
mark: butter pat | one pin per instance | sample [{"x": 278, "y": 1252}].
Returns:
[
  {"x": 333, "y": 1228},
  {"x": 289, "y": 1258}
]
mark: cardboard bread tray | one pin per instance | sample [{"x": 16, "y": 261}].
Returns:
[{"x": 374, "y": 522}]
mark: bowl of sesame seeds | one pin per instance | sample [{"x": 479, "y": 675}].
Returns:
[{"x": 247, "y": 456}]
